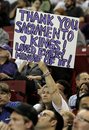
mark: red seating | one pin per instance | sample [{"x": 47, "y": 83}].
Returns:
[
  {"x": 8, "y": 28},
  {"x": 81, "y": 60}
]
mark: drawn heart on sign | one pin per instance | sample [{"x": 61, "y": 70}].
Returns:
[{"x": 23, "y": 38}]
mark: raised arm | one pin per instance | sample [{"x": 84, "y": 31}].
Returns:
[{"x": 56, "y": 98}]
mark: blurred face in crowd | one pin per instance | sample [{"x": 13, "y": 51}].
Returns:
[
  {"x": 4, "y": 53},
  {"x": 81, "y": 121},
  {"x": 83, "y": 89},
  {"x": 4, "y": 98},
  {"x": 84, "y": 103},
  {"x": 36, "y": 4},
  {"x": 84, "y": 77},
  {"x": 46, "y": 96},
  {"x": 18, "y": 122},
  {"x": 46, "y": 120},
  {"x": 60, "y": 86},
  {"x": 68, "y": 3}
]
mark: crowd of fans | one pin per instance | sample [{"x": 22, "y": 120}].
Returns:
[{"x": 54, "y": 106}]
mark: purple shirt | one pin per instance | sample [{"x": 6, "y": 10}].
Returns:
[{"x": 9, "y": 68}]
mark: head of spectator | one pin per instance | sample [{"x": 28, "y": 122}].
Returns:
[
  {"x": 8, "y": 68},
  {"x": 35, "y": 5},
  {"x": 49, "y": 120},
  {"x": 68, "y": 118},
  {"x": 70, "y": 3},
  {"x": 83, "y": 89},
  {"x": 5, "y": 94},
  {"x": 82, "y": 78},
  {"x": 5, "y": 52},
  {"x": 46, "y": 96},
  {"x": 23, "y": 117},
  {"x": 64, "y": 88},
  {"x": 83, "y": 102},
  {"x": 81, "y": 121}
]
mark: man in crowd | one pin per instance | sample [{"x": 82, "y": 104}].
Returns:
[
  {"x": 49, "y": 120},
  {"x": 73, "y": 11},
  {"x": 83, "y": 77},
  {"x": 81, "y": 121},
  {"x": 8, "y": 69},
  {"x": 5, "y": 102},
  {"x": 23, "y": 117}
]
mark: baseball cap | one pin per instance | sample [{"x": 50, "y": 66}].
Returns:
[
  {"x": 6, "y": 47},
  {"x": 26, "y": 110}
]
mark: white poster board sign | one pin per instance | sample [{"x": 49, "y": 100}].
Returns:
[{"x": 47, "y": 37}]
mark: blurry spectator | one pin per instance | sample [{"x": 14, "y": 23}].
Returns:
[
  {"x": 81, "y": 121},
  {"x": 5, "y": 102},
  {"x": 68, "y": 118},
  {"x": 84, "y": 89},
  {"x": 64, "y": 88},
  {"x": 80, "y": 78},
  {"x": 73, "y": 11},
  {"x": 35, "y": 5},
  {"x": 4, "y": 37},
  {"x": 8, "y": 68},
  {"x": 4, "y": 13},
  {"x": 23, "y": 117},
  {"x": 49, "y": 120}
]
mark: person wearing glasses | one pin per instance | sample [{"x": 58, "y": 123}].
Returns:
[
  {"x": 49, "y": 120},
  {"x": 81, "y": 121}
]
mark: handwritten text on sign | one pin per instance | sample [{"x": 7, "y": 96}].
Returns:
[{"x": 47, "y": 37}]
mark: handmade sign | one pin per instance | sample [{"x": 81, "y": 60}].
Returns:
[{"x": 47, "y": 37}]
